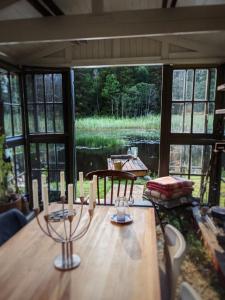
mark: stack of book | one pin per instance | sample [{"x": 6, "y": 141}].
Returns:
[{"x": 169, "y": 188}]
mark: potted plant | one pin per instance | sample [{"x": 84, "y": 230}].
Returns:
[{"x": 9, "y": 198}]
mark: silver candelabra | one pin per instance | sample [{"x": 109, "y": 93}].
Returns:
[{"x": 72, "y": 231}]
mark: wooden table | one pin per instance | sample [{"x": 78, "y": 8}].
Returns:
[
  {"x": 117, "y": 262},
  {"x": 135, "y": 166}
]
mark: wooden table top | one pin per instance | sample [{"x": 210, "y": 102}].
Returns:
[
  {"x": 135, "y": 166},
  {"x": 117, "y": 262}
]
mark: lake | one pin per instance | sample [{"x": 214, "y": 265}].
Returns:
[{"x": 94, "y": 147}]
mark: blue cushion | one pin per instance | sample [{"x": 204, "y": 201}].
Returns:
[{"x": 10, "y": 222}]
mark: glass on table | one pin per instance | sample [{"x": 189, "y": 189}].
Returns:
[{"x": 122, "y": 208}]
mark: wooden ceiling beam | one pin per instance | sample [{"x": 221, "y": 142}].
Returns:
[{"x": 152, "y": 22}]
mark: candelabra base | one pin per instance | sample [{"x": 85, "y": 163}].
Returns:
[{"x": 67, "y": 264}]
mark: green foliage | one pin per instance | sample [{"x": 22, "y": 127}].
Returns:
[
  {"x": 119, "y": 92},
  {"x": 5, "y": 174},
  {"x": 96, "y": 141},
  {"x": 150, "y": 122}
]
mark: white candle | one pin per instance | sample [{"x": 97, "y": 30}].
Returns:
[
  {"x": 35, "y": 193},
  {"x": 94, "y": 188},
  {"x": 91, "y": 204},
  {"x": 81, "y": 182},
  {"x": 62, "y": 184},
  {"x": 45, "y": 200},
  {"x": 43, "y": 181},
  {"x": 70, "y": 196}
]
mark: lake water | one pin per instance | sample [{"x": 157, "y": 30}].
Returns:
[{"x": 95, "y": 158}]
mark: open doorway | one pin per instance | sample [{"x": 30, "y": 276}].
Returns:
[{"x": 117, "y": 108}]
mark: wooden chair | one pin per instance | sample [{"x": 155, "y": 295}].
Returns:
[
  {"x": 188, "y": 293},
  {"x": 175, "y": 250},
  {"x": 118, "y": 176}
]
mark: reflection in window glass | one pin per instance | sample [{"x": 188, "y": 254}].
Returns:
[
  {"x": 45, "y": 110},
  {"x": 189, "y": 84},
  {"x": 178, "y": 85},
  {"x": 17, "y": 120},
  {"x": 39, "y": 88},
  {"x": 58, "y": 88},
  {"x": 15, "y": 88},
  {"x": 179, "y": 159},
  {"x": 212, "y": 84},
  {"x": 29, "y": 88},
  {"x": 5, "y": 95},
  {"x": 17, "y": 158},
  {"x": 8, "y": 120},
  {"x": 48, "y": 159},
  {"x": 11, "y": 97},
  {"x": 59, "y": 124},
  {"x": 201, "y": 84},
  {"x": 177, "y": 117},
  {"x": 191, "y": 161},
  {"x": 195, "y": 111},
  {"x": 20, "y": 168}
]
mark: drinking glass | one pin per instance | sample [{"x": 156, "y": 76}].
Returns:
[{"x": 134, "y": 151}]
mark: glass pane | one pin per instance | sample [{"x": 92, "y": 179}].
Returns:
[
  {"x": 187, "y": 118},
  {"x": 54, "y": 180},
  {"x": 199, "y": 118},
  {"x": 179, "y": 159},
  {"x": 50, "y": 118},
  {"x": 222, "y": 182},
  {"x": 48, "y": 88},
  {"x": 59, "y": 124},
  {"x": 7, "y": 120},
  {"x": 41, "y": 118},
  {"x": 31, "y": 119},
  {"x": 210, "y": 117},
  {"x": 201, "y": 84},
  {"x": 189, "y": 85},
  {"x": 43, "y": 156},
  {"x": 20, "y": 168},
  {"x": 17, "y": 120},
  {"x": 5, "y": 95},
  {"x": 29, "y": 88},
  {"x": 60, "y": 152},
  {"x": 57, "y": 78},
  {"x": 39, "y": 88},
  {"x": 15, "y": 88},
  {"x": 196, "y": 159},
  {"x": 212, "y": 84},
  {"x": 52, "y": 156},
  {"x": 177, "y": 120},
  {"x": 178, "y": 85}
]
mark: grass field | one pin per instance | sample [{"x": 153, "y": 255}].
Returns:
[{"x": 105, "y": 123}]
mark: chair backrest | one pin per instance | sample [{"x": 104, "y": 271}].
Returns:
[
  {"x": 175, "y": 249},
  {"x": 116, "y": 178},
  {"x": 11, "y": 221},
  {"x": 188, "y": 293}
]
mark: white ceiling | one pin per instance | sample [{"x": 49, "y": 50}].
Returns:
[{"x": 179, "y": 49}]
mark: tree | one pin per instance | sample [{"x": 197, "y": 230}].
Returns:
[{"x": 111, "y": 91}]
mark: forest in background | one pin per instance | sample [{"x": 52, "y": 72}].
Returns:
[{"x": 118, "y": 92}]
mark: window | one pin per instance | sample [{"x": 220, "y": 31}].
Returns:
[
  {"x": 193, "y": 100},
  {"x": 17, "y": 158},
  {"x": 48, "y": 159},
  {"x": 190, "y": 161},
  {"x": 11, "y": 98},
  {"x": 45, "y": 103}
]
